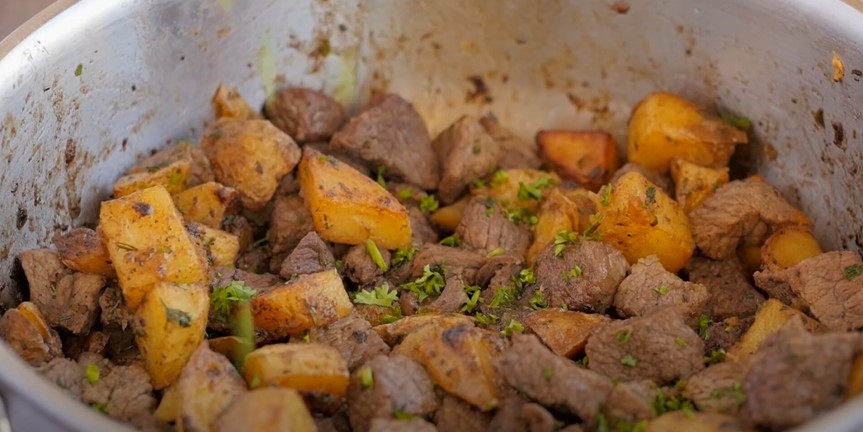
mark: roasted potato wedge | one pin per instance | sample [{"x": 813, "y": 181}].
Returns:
[
  {"x": 172, "y": 177},
  {"x": 770, "y": 317},
  {"x": 556, "y": 213},
  {"x": 220, "y": 248},
  {"x": 200, "y": 171},
  {"x": 564, "y": 332},
  {"x": 227, "y": 102},
  {"x": 639, "y": 219},
  {"x": 588, "y": 157},
  {"x": 208, "y": 203},
  {"x": 169, "y": 326},
  {"x": 28, "y": 334},
  {"x": 391, "y": 333},
  {"x": 664, "y": 127},
  {"x": 82, "y": 249},
  {"x": 518, "y": 188},
  {"x": 694, "y": 183},
  {"x": 458, "y": 359},
  {"x": 787, "y": 247},
  {"x": 206, "y": 387},
  {"x": 348, "y": 207},
  {"x": 251, "y": 156},
  {"x": 267, "y": 410},
  {"x": 168, "y": 410},
  {"x": 147, "y": 243},
  {"x": 307, "y": 367},
  {"x": 450, "y": 216},
  {"x": 309, "y": 301}
]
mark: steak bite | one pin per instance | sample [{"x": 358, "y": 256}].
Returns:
[
  {"x": 306, "y": 115},
  {"x": 466, "y": 153},
  {"x": 659, "y": 347},
  {"x": 582, "y": 276},
  {"x": 829, "y": 287},
  {"x": 485, "y": 228},
  {"x": 390, "y": 133},
  {"x": 650, "y": 287},
  {"x": 728, "y": 287},
  {"x": 742, "y": 212}
]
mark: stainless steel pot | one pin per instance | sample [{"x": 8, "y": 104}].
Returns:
[{"x": 87, "y": 87}]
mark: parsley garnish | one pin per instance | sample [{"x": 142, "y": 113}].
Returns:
[
  {"x": 534, "y": 190},
  {"x": 401, "y": 415},
  {"x": 451, "y": 241},
  {"x": 629, "y": 360},
  {"x": 704, "y": 322},
  {"x": 428, "y": 204},
  {"x": 182, "y": 317},
  {"x": 548, "y": 374},
  {"x": 473, "y": 299},
  {"x": 498, "y": 178},
  {"x": 225, "y": 298},
  {"x": 735, "y": 392},
  {"x": 485, "y": 319},
  {"x": 379, "y": 296},
  {"x": 521, "y": 215},
  {"x": 563, "y": 238},
  {"x": 602, "y": 423},
  {"x": 380, "y": 176},
  {"x": 92, "y": 373},
  {"x": 715, "y": 356},
  {"x": 99, "y": 407},
  {"x": 403, "y": 255},
  {"x": 623, "y": 337},
  {"x": 430, "y": 283},
  {"x": 662, "y": 405},
  {"x": 537, "y": 302},
  {"x": 650, "y": 196},
  {"x": 661, "y": 290},
  {"x": 605, "y": 195},
  {"x": 405, "y": 193},
  {"x": 495, "y": 252},
  {"x": 376, "y": 256},
  {"x": 513, "y": 327},
  {"x": 680, "y": 342},
  {"x": 367, "y": 379},
  {"x": 853, "y": 271},
  {"x": 736, "y": 120},
  {"x": 504, "y": 296}
]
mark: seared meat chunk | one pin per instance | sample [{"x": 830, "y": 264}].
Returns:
[
  {"x": 222, "y": 276},
  {"x": 718, "y": 388},
  {"x": 631, "y": 402},
  {"x": 354, "y": 339},
  {"x": 456, "y": 414},
  {"x": 516, "y": 152},
  {"x": 828, "y": 286},
  {"x": 304, "y": 114},
  {"x": 115, "y": 313},
  {"x": 359, "y": 266},
  {"x": 796, "y": 376},
  {"x": 484, "y": 227},
  {"x": 454, "y": 261},
  {"x": 555, "y": 382},
  {"x": 450, "y": 299},
  {"x": 311, "y": 255},
  {"x": 66, "y": 374},
  {"x": 515, "y": 414},
  {"x": 124, "y": 392},
  {"x": 728, "y": 287},
  {"x": 650, "y": 287},
  {"x": 69, "y": 300},
  {"x": 741, "y": 212},
  {"x": 391, "y": 133},
  {"x": 26, "y": 332},
  {"x": 584, "y": 276},
  {"x": 422, "y": 231},
  {"x": 290, "y": 221},
  {"x": 201, "y": 171},
  {"x": 658, "y": 347},
  {"x": 397, "y": 425},
  {"x": 724, "y": 334},
  {"x": 466, "y": 153},
  {"x": 398, "y": 384}
]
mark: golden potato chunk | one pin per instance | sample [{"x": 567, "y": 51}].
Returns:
[
  {"x": 449, "y": 217},
  {"x": 769, "y": 319},
  {"x": 348, "y": 207},
  {"x": 307, "y": 367},
  {"x": 227, "y": 102},
  {"x": 564, "y": 332},
  {"x": 556, "y": 213},
  {"x": 787, "y": 247},
  {"x": 169, "y": 326},
  {"x": 251, "y": 156},
  {"x": 147, "y": 243},
  {"x": 206, "y": 387},
  {"x": 639, "y": 219},
  {"x": 309, "y": 301},
  {"x": 267, "y": 410},
  {"x": 172, "y": 177},
  {"x": 168, "y": 410},
  {"x": 219, "y": 248},
  {"x": 207, "y": 203},
  {"x": 82, "y": 249},
  {"x": 518, "y": 188},
  {"x": 391, "y": 333},
  {"x": 664, "y": 127},
  {"x": 694, "y": 183},
  {"x": 588, "y": 157}
]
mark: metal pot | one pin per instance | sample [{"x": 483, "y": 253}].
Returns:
[{"x": 88, "y": 87}]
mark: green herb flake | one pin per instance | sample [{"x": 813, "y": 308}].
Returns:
[
  {"x": 405, "y": 193},
  {"x": 99, "y": 407},
  {"x": 401, "y": 415},
  {"x": 736, "y": 120},
  {"x": 376, "y": 256},
  {"x": 403, "y": 255},
  {"x": 451, "y": 241},
  {"x": 495, "y": 252},
  {"x": 79, "y": 69},
  {"x": 605, "y": 195},
  {"x": 485, "y": 319},
  {"x": 367, "y": 379},
  {"x": 561, "y": 239},
  {"x": 92, "y": 373},
  {"x": 650, "y": 196},
  {"x": 623, "y": 337},
  {"x": 525, "y": 277},
  {"x": 379, "y": 296},
  {"x": 473, "y": 299},
  {"x": 704, "y": 322},
  {"x": 223, "y": 300},
  {"x": 575, "y": 272},
  {"x": 629, "y": 360},
  {"x": 181, "y": 317},
  {"x": 387, "y": 319},
  {"x": 504, "y": 296},
  {"x": 476, "y": 149},
  {"x": 548, "y": 374},
  {"x": 513, "y": 327},
  {"x": 478, "y": 183},
  {"x": 680, "y": 342},
  {"x": 602, "y": 423},
  {"x": 243, "y": 327},
  {"x": 256, "y": 382},
  {"x": 715, "y": 356},
  {"x": 380, "y": 176},
  {"x": 852, "y": 271},
  {"x": 430, "y": 283},
  {"x": 537, "y": 302},
  {"x": 498, "y": 178},
  {"x": 428, "y": 204},
  {"x": 661, "y": 290},
  {"x": 307, "y": 337},
  {"x": 533, "y": 191}
]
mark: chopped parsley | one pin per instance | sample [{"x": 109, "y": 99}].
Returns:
[
  {"x": 367, "y": 379},
  {"x": 379, "y": 296},
  {"x": 430, "y": 283},
  {"x": 181, "y": 317},
  {"x": 79, "y": 69},
  {"x": 513, "y": 327},
  {"x": 92, "y": 373},
  {"x": 525, "y": 277},
  {"x": 734, "y": 392},
  {"x": 592, "y": 232},
  {"x": 663, "y": 404},
  {"x": 736, "y": 120},
  {"x": 376, "y": 256},
  {"x": 575, "y": 272},
  {"x": 629, "y": 360},
  {"x": 386, "y": 319},
  {"x": 504, "y": 296},
  {"x": 704, "y": 322},
  {"x": 498, "y": 178},
  {"x": 99, "y": 407},
  {"x": 602, "y": 423},
  {"x": 548, "y": 374},
  {"x": 680, "y": 342},
  {"x": 623, "y": 337},
  {"x": 451, "y": 241},
  {"x": 225, "y": 298},
  {"x": 403, "y": 255},
  {"x": 485, "y": 319},
  {"x": 853, "y": 271},
  {"x": 537, "y": 302},
  {"x": 256, "y": 382},
  {"x": 650, "y": 196},
  {"x": 533, "y": 191},
  {"x": 380, "y": 176},
  {"x": 473, "y": 299},
  {"x": 561, "y": 239},
  {"x": 401, "y": 415},
  {"x": 428, "y": 204},
  {"x": 605, "y": 195},
  {"x": 715, "y": 356},
  {"x": 521, "y": 215},
  {"x": 661, "y": 290},
  {"x": 495, "y": 252},
  {"x": 405, "y": 193}
]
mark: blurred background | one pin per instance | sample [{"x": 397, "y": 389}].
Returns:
[{"x": 14, "y": 12}]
